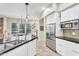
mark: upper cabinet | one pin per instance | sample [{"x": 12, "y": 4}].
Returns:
[
  {"x": 52, "y": 18},
  {"x": 70, "y": 13},
  {"x": 65, "y": 5}
]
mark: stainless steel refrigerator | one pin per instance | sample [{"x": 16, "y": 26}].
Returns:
[{"x": 51, "y": 36}]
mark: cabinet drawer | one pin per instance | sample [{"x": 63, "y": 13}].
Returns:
[
  {"x": 59, "y": 45},
  {"x": 75, "y": 52},
  {"x": 66, "y": 43},
  {"x": 61, "y": 41},
  {"x": 64, "y": 47},
  {"x": 60, "y": 50},
  {"x": 76, "y": 47}
]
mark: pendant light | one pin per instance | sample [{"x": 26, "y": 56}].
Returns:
[{"x": 26, "y": 11}]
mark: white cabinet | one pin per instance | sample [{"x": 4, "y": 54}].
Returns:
[
  {"x": 54, "y": 18},
  {"x": 19, "y": 51},
  {"x": 32, "y": 48},
  {"x": 28, "y": 49},
  {"x": 67, "y": 48},
  {"x": 1, "y": 47},
  {"x": 70, "y": 14},
  {"x": 60, "y": 48}
]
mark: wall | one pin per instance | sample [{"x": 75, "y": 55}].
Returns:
[{"x": 41, "y": 33}]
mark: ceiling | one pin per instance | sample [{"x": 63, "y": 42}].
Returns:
[{"x": 19, "y": 9}]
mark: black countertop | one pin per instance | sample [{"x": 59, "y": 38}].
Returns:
[
  {"x": 15, "y": 46},
  {"x": 75, "y": 40}
]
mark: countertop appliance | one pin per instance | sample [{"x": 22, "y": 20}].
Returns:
[
  {"x": 72, "y": 24},
  {"x": 50, "y": 36}
]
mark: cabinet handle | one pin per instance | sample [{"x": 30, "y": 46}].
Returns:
[{"x": 75, "y": 51}]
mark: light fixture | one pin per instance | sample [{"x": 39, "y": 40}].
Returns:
[
  {"x": 43, "y": 8},
  {"x": 26, "y": 11}
]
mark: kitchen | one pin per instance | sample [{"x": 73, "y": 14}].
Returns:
[{"x": 53, "y": 31}]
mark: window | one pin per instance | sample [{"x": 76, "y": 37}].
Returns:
[
  {"x": 14, "y": 28},
  {"x": 28, "y": 28},
  {"x": 22, "y": 28}
]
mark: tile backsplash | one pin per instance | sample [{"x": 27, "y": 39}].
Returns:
[{"x": 71, "y": 33}]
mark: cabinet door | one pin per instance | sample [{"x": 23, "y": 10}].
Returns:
[
  {"x": 76, "y": 53},
  {"x": 70, "y": 14},
  {"x": 75, "y": 50},
  {"x": 65, "y": 48},
  {"x": 32, "y": 48},
  {"x": 69, "y": 46},
  {"x": 60, "y": 48}
]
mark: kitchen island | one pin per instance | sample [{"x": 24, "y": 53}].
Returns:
[{"x": 19, "y": 48}]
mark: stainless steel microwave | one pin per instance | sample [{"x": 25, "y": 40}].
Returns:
[{"x": 73, "y": 24}]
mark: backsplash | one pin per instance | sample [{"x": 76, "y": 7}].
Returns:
[{"x": 71, "y": 33}]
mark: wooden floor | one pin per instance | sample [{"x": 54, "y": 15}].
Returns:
[{"x": 42, "y": 50}]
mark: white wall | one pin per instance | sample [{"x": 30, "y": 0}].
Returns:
[{"x": 41, "y": 33}]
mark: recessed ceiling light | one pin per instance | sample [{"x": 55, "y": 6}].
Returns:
[{"x": 43, "y": 8}]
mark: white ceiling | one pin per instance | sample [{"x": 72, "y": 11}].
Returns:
[{"x": 19, "y": 9}]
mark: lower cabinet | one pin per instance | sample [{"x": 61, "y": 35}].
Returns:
[
  {"x": 32, "y": 48},
  {"x": 60, "y": 46},
  {"x": 67, "y": 48},
  {"x": 28, "y": 49},
  {"x": 19, "y": 51}
]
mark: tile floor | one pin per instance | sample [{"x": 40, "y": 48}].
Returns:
[{"x": 42, "y": 50}]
